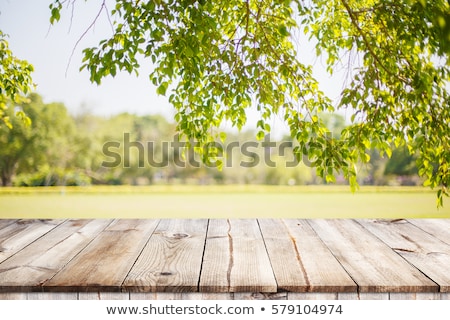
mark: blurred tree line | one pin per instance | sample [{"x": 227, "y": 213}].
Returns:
[{"x": 58, "y": 148}]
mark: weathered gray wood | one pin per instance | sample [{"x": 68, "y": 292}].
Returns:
[
  {"x": 300, "y": 260},
  {"x": 207, "y": 296},
  {"x": 260, "y": 296},
  {"x": 235, "y": 258},
  {"x": 428, "y": 296},
  {"x": 439, "y": 228},
  {"x": 402, "y": 296},
  {"x": 13, "y": 296},
  {"x": 52, "y": 296},
  {"x": 105, "y": 262},
  {"x": 42, "y": 259},
  {"x": 363, "y": 296},
  {"x": 427, "y": 253},
  {"x": 172, "y": 258},
  {"x": 312, "y": 296},
  {"x": 6, "y": 222},
  {"x": 21, "y": 233},
  {"x": 445, "y": 296},
  {"x": 222, "y": 296},
  {"x": 370, "y": 262},
  {"x": 104, "y": 296},
  {"x": 180, "y": 296},
  {"x": 156, "y": 296},
  {"x": 348, "y": 296},
  {"x": 373, "y": 296}
]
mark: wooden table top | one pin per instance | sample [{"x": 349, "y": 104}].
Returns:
[{"x": 220, "y": 255}]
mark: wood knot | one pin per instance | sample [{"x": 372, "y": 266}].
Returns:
[
  {"x": 166, "y": 273},
  {"x": 179, "y": 235}
]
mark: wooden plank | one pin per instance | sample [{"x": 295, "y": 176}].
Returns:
[
  {"x": 34, "y": 265},
  {"x": 445, "y": 296},
  {"x": 339, "y": 296},
  {"x": 439, "y": 228},
  {"x": 416, "y": 296},
  {"x": 52, "y": 296},
  {"x": 260, "y": 296},
  {"x": 13, "y": 296},
  {"x": 103, "y": 296},
  {"x": 105, "y": 262},
  {"x": 171, "y": 260},
  {"x": 427, "y": 253},
  {"x": 300, "y": 260},
  {"x": 363, "y": 296},
  {"x": 312, "y": 296},
  {"x": 235, "y": 258},
  {"x": 207, "y": 296},
  {"x": 6, "y": 222},
  {"x": 357, "y": 296},
  {"x": 373, "y": 296},
  {"x": 156, "y": 296},
  {"x": 180, "y": 296},
  {"x": 428, "y": 295},
  {"x": 348, "y": 296},
  {"x": 371, "y": 263},
  {"x": 21, "y": 233}
]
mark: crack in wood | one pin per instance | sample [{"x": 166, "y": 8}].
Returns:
[
  {"x": 403, "y": 250},
  {"x": 302, "y": 266},
  {"x": 389, "y": 221},
  {"x": 89, "y": 256},
  {"x": 298, "y": 257}
]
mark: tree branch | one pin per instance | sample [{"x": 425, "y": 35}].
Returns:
[
  {"x": 102, "y": 7},
  {"x": 354, "y": 21}
]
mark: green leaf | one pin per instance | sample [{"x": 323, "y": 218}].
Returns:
[
  {"x": 161, "y": 90},
  {"x": 260, "y": 135}
]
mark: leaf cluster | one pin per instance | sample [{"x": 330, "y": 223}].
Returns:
[
  {"x": 15, "y": 81},
  {"x": 216, "y": 59}
]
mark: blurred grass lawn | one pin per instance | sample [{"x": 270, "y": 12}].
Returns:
[{"x": 220, "y": 202}]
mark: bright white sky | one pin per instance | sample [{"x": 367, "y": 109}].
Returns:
[{"x": 49, "y": 48}]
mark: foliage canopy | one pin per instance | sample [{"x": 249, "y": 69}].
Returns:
[
  {"x": 15, "y": 81},
  {"x": 216, "y": 59},
  {"x": 46, "y": 139}
]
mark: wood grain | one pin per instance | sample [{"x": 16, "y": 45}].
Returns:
[
  {"x": 106, "y": 261},
  {"x": 439, "y": 228},
  {"x": 52, "y": 296},
  {"x": 419, "y": 248},
  {"x": 370, "y": 262},
  {"x": 312, "y": 296},
  {"x": 42, "y": 259},
  {"x": 172, "y": 258},
  {"x": 235, "y": 258},
  {"x": 18, "y": 235},
  {"x": 104, "y": 296},
  {"x": 13, "y": 295},
  {"x": 300, "y": 260},
  {"x": 225, "y": 259},
  {"x": 6, "y": 222}
]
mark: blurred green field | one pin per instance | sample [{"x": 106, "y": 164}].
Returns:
[{"x": 220, "y": 202}]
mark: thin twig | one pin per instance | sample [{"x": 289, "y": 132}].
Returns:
[
  {"x": 71, "y": 15},
  {"x": 353, "y": 19},
  {"x": 103, "y": 6}
]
